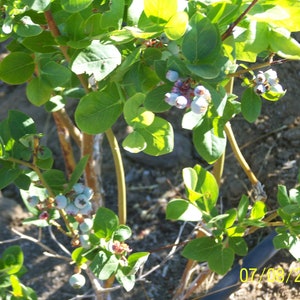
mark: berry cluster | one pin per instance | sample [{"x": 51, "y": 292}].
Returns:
[
  {"x": 77, "y": 201},
  {"x": 267, "y": 81},
  {"x": 184, "y": 95}
]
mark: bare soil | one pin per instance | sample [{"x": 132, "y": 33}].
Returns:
[{"x": 270, "y": 145}]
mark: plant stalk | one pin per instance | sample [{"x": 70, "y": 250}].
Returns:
[
  {"x": 121, "y": 186},
  {"x": 239, "y": 156}
]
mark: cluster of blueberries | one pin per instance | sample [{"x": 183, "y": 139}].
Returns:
[
  {"x": 267, "y": 81},
  {"x": 183, "y": 95},
  {"x": 77, "y": 201}
]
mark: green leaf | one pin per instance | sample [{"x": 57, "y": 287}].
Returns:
[
  {"x": 97, "y": 59},
  {"x": 283, "y": 14},
  {"x": 12, "y": 259},
  {"x": 38, "y": 91},
  {"x": 54, "y": 73},
  {"x": 42, "y": 43},
  {"x": 25, "y": 27},
  {"x": 202, "y": 41},
  {"x": 136, "y": 261},
  {"x": 55, "y": 180},
  {"x": 16, "y": 286},
  {"x": 190, "y": 120},
  {"x": 242, "y": 208},
  {"x": 159, "y": 137},
  {"x": 283, "y": 240},
  {"x": 230, "y": 219},
  {"x": 190, "y": 178},
  {"x": 154, "y": 100},
  {"x": 126, "y": 281},
  {"x": 77, "y": 173},
  {"x": 97, "y": 111},
  {"x": 122, "y": 233},
  {"x": 238, "y": 245},
  {"x": 282, "y": 196},
  {"x": 114, "y": 17},
  {"x": 160, "y": 11},
  {"x": 200, "y": 249},
  {"x": 209, "y": 139},
  {"x": 22, "y": 182},
  {"x": 176, "y": 26},
  {"x": 16, "y": 68},
  {"x": 104, "y": 265},
  {"x": 294, "y": 248},
  {"x": 20, "y": 124},
  {"x": 8, "y": 174},
  {"x": 55, "y": 103},
  {"x": 37, "y": 5},
  {"x": 77, "y": 256},
  {"x": 258, "y": 210},
  {"x": 134, "y": 142},
  {"x": 207, "y": 187},
  {"x": 221, "y": 260},
  {"x": 136, "y": 115},
  {"x": 282, "y": 44},
  {"x": 74, "y": 6},
  {"x": 250, "y": 105},
  {"x": 180, "y": 209},
  {"x": 106, "y": 223}
]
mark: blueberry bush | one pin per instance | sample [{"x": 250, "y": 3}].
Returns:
[{"x": 137, "y": 59}]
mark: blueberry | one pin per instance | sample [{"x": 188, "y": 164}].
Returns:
[
  {"x": 260, "y": 78},
  {"x": 77, "y": 281},
  {"x": 61, "y": 201},
  {"x": 86, "y": 225},
  {"x": 260, "y": 89},
  {"x": 33, "y": 201},
  {"x": 172, "y": 75},
  {"x": 85, "y": 241},
  {"x": 87, "y": 209},
  {"x": 170, "y": 98},
  {"x": 88, "y": 192},
  {"x": 81, "y": 201},
  {"x": 71, "y": 209},
  {"x": 78, "y": 188},
  {"x": 181, "y": 102}
]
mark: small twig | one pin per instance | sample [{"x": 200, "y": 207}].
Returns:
[
  {"x": 229, "y": 30},
  {"x": 257, "y": 67},
  {"x": 43, "y": 246},
  {"x": 238, "y": 154},
  {"x": 61, "y": 246}
]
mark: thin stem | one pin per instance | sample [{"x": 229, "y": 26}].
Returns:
[
  {"x": 121, "y": 186},
  {"x": 229, "y": 30},
  {"x": 257, "y": 67},
  {"x": 238, "y": 154},
  {"x": 45, "y": 247}
]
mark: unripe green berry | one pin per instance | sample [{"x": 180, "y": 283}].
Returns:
[{"x": 77, "y": 281}]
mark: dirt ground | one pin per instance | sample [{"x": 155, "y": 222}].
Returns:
[{"x": 271, "y": 146}]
